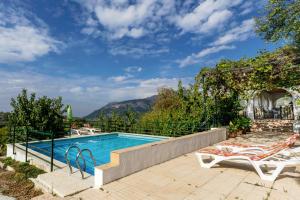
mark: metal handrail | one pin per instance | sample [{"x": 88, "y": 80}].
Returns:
[
  {"x": 66, "y": 156},
  {"x": 77, "y": 161}
]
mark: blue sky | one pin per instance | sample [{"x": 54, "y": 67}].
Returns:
[{"x": 92, "y": 52}]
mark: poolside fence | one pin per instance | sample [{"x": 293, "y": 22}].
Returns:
[
  {"x": 170, "y": 129},
  {"x": 25, "y": 136}
]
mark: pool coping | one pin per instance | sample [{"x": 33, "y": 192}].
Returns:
[{"x": 100, "y": 134}]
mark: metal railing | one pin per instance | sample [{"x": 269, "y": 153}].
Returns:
[
  {"x": 84, "y": 166},
  {"x": 73, "y": 146},
  {"x": 25, "y": 136},
  {"x": 171, "y": 129}
]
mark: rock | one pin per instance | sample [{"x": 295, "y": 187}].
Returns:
[{"x": 2, "y": 197}]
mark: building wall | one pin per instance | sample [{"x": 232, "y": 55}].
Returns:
[{"x": 251, "y": 103}]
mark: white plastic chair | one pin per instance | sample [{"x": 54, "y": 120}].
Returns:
[
  {"x": 259, "y": 148},
  {"x": 277, "y": 158}
]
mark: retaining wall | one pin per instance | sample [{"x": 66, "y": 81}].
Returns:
[{"x": 128, "y": 161}]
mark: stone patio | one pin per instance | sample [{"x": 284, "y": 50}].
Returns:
[{"x": 183, "y": 179}]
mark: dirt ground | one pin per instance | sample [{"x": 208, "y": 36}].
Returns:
[{"x": 14, "y": 185}]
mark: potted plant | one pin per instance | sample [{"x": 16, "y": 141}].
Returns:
[
  {"x": 233, "y": 130},
  {"x": 244, "y": 124},
  {"x": 239, "y": 126}
]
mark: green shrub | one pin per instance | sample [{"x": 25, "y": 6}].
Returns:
[
  {"x": 19, "y": 177},
  {"x": 27, "y": 170},
  {"x": 3, "y": 140},
  {"x": 8, "y": 162}
]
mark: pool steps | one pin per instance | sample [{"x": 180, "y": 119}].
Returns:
[{"x": 62, "y": 184}]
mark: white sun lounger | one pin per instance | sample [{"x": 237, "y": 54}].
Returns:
[
  {"x": 277, "y": 159},
  {"x": 238, "y": 147},
  {"x": 85, "y": 131}
]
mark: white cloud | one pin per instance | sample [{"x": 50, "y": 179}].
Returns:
[
  {"x": 159, "y": 82},
  {"x": 196, "y": 57},
  {"x": 239, "y": 33},
  {"x": 133, "y": 69},
  {"x": 134, "y": 19},
  {"x": 84, "y": 93},
  {"x": 124, "y": 18},
  {"x": 76, "y": 90},
  {"x": 210, "y": 13},
  {"x": 137, "y": 18},
  {"x": 22, "y": 39},
  {"x": 118, "y": 79},
  {"x": 137, "y": 50},
  {"x": 215, "y": 20}
]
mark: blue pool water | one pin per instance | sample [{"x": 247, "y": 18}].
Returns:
[{"x": 100, "y": 145}]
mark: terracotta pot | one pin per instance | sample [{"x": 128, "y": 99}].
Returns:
[
  {"x": 245, "y": 131},
  {"x": 240, "y": 132},
  {"x": 232, "y": 135}
]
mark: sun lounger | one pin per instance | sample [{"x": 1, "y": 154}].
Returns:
[
  {"x": 238, "y": 147},
  {"x": 278, "y": 158},
  {"x": 90, "y": 131},
  {"x": 85, "y": 131}
]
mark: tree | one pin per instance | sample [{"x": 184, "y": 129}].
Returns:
[
  {"x": 23, "y": 109},
  {"x": 49, "y": 114},
  {"x": 4, "y": 116},
  {"x": 44, "y": 114},
  {"x": 281, "y": 20},
  {"x": 167, "y": 99}
]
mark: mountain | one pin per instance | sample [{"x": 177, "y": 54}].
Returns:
[{"x": 139, "y": 106}]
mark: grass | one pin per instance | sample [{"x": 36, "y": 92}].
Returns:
[{"x": 17, "y": 184}]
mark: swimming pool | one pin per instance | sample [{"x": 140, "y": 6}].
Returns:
[{"x": 100, "y": 146}]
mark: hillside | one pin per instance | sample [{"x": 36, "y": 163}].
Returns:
[{"x": 137, "y": 105}]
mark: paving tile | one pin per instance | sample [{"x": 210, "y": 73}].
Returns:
[
  {"x": 276, "y": 195},
  {"x": 258, "y": 193},
  {"x": 175, "y": 191},
  {"x": 224, "y": 183},
  {"x": 253, "y": 178},
  {"x": 200, "y": 177},
  {"x": 242, "y": 191},
  {"x": 151, "y": 177},
  {"x": 92, "y": 194},
  {"x": 130, "y": 193},
  {"x": 202, "y": 194},
  {"x": 152, "y": 184},
  {"x": 115, "y": 186},
  {"x": 288, "y": 186}
]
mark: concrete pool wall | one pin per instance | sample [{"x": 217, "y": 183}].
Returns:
[
  {"x": 35, "y": 158},
  {"x": 128, "y": 161}
]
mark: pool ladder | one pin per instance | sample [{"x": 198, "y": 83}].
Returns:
[{"x": 79, "y": 154}]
